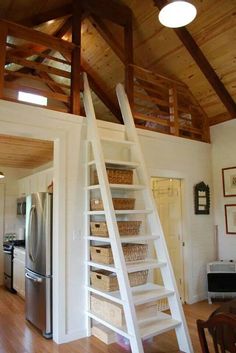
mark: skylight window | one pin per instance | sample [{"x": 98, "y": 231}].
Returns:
[{"x": 32, "y": 98}]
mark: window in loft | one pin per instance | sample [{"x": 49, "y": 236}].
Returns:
[{"x": 32, "y": 98}]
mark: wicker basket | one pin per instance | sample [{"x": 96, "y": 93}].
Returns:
[
  {"x": 115, "y": 176},
  {"x": 114, "y": 313},
  {"x": 125, "y": 228},
  {"x": 132, "y": 252},
  {"x": 107, "y": 281},
  {"x": 118, "y": 203}
]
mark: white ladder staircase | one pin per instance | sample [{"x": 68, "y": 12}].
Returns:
[{"x": 135, "y": 329}]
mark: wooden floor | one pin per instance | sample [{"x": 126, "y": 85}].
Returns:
[{"x": 17, "y": 336}]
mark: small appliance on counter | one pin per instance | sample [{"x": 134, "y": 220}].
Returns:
[
  {"x": 8, "y": 250},
  {"x": 38, "y": 272}
]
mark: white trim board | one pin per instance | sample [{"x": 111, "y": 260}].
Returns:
[{"x": 65, "y": 130}]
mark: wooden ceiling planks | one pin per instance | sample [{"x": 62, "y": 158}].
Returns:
[
  {"x": 21, "y": 152},
  {"x": 172, "y": 58},
  {"x": 158, "y": 48}
]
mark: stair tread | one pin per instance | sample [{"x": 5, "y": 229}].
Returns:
[
  {"x": 132, "y": 266},
  {"x": 125, "y": 238},
  {"x": 134, "y": 187},
  {"x": 158, "y": 325},
  {"x": 121, "y": 212},
  {"x": 118, "y": 163},
  {"x": 149, "y": 327},
  {"x": 141, "y": 294},
  {"x": 107, "y": 139}
]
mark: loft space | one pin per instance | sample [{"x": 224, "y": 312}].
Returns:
[{"x": 178, "y": 82}]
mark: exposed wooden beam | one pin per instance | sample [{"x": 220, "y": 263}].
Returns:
[
  {"x": 52, "y": 84},
  {"x": 220, "y": 118},
  {"x": 129, "y": 60},
  {"x": 47, "y": 16},
  {"x": 107, "y": 35},
  {"x": 204, "y": 65},
  {"x": 3, "y": 37},
  {"x": 96, "y": 86},
  {"x": 109, "y": 9},
  {"x": 38, "y": 37},
  {"x": 76, "y": 57}
]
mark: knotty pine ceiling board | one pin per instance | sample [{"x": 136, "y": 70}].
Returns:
[
  {"x": 20, "y": 152},
  {"x": 100, "y": 57},
  {"x": 16, "y": 10},
  {"x": 159, "y": 49}
]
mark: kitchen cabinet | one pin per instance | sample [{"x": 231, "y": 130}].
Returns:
[
  {"x": 19, "y": 271},
  {"x": 37, "y": 182}
]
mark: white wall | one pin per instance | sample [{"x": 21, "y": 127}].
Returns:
[
  {"x": 170, "y": 156},
  {"x": 223, "y": 137},
  {"x": 165, "y": 156},
  {"x": 12, "y": 222},
  {"x": 68, "y": 243}
]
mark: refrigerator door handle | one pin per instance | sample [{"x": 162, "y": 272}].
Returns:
[
  {"x": 34, "y": 279},
  {"x": 30, "y": 231},
  {"x": 7, "y": 252}
]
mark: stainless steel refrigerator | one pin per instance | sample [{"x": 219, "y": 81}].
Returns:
[{"x": 38, "y": 272}]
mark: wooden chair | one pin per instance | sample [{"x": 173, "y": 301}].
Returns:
[{"x": 222, "y": 329}]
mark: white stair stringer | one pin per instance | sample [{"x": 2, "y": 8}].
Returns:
[
  {"x": 167, "y": 273},
  {"x": 119, "y": 261},
  {"x": 129, "y": 297}
]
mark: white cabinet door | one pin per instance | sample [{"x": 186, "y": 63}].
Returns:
[
  {"x": 37, "y": 182},
  {"x": 19, "y": 271}
]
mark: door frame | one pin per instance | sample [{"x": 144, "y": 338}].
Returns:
[
  {"x": 64, "y": 130},
  {"x": 181, "y": 241},
  {"x": 186, "y": 249}
]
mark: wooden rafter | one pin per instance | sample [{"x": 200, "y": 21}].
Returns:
[
  {"x": 109, "y": 9},
  {"x": 204, "y": 66},
  {"x": 107, "y": 35},
  {"x": 46, "y": 16},
  {"x": 96, "y": 87}
]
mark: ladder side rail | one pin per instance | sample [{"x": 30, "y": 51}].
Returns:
[
  {"x": 87, "y": 242},
  {"x": 119, "y": 261},
  {"x": 160, "y": 244}
]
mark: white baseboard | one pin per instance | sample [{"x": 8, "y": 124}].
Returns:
[
  {"x": 72, "y": 336},
  {"x": 197, "y": 298}
]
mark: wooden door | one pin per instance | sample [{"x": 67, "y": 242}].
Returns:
[{"x": 167, "y": 194}]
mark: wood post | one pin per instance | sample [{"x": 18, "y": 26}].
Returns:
[
  {"x": 174, "y": 116},
  {"x": 76, "y": 58},
  {"x": 129, "y": 58},
  {"x": 3, "y": 36}
]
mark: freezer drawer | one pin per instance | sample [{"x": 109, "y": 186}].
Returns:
[{"x": 38, "y": 300}]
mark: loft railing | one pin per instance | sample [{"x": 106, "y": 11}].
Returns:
[
  {"x": 34, "y": 62},
  {"x": 166, "y": 105}
]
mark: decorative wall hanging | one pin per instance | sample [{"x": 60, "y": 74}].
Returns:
[
  {"x": 202, "y": 198},
  {"x": 229, "y": 181},
  {"x": 230, "y": 219}
]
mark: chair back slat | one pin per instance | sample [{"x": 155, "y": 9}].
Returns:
[{"x": 222, "y": 329}]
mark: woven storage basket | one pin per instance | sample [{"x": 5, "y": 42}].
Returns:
[
  {"x": 115, "y": 176},
  {"x": 114, "y": 313},
  {"x": 125, "y": 228},
  {"x": 118, "y": 203},
  {"x": 132, "y": 252},
  {"x": 106, "y": 280}
]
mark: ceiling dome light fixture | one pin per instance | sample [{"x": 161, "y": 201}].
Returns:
[
  {"x": 2, "y": 175},
  {"x": 177, "y": 14}
]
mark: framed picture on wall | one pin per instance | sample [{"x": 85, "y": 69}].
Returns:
[
  {"x": 229, "y": 181},
  {"x": 230, "y": 219}
]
